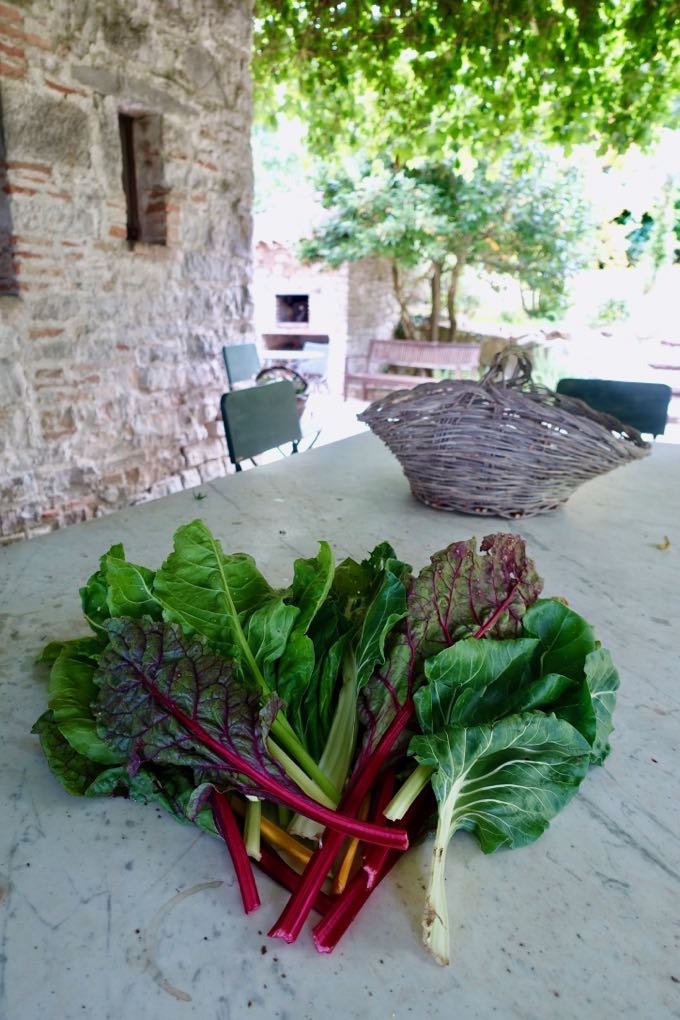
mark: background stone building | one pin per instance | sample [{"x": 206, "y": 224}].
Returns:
[
  {"x": 349, "y": 306},
  {"x": 125, "y": 248}
]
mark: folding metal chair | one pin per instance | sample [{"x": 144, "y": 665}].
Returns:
[
  {"x": 241, "y": 361},
  {"x": 258, "y": 419},
  {"x": 642, "y": 405}
]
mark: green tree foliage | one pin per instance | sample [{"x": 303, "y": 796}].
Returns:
[
  {"x": 408, "y": 76},
  {"x": 655, "y": 233},
  {"x": 525, "y": 216}
]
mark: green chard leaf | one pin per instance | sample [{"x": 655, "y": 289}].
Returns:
[
  {"x": 366, "y": 601},
  {"x": 130, "y": 589},
  {"x": 88, "y": 647},
  {"x": 568, "y": 645},
  {"x": 225, "y": 599},
  {"x": 70, "y": 695},
  {"x": 473, "y": 682},
  {"x": 94, "y": 595},
  {"x": 504, "y": 782},
  {"x": 371, "y": 600},
  {"x": 118, "y": 588},
  {"x": 565, "y": 637},
  {"x": 603, "y": 682},
  {"x": 171, "y": 789},
  {"x": 75, "y": 772},
  {"x": 312, "y": 579},
  {"x": 508, "y": 778},
  {"x": 384, "y": 607}
]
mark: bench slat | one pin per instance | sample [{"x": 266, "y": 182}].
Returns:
[{"x": 411, "y": 354}]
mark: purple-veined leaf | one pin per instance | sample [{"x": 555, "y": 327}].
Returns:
[
  {"x": 166, "y": 699},
  {"x": 461, "y": 593}
]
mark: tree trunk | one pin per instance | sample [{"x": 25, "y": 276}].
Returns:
[
  {"x": 451, "y": 296},
  {"x": 406, "y": 319},
  {"x": 436, "y": 284}
]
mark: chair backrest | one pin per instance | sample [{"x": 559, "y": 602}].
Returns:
[
  {"x": 640, "y": 404},
  {"x": 317, "y": 365},
  {"x": 241, "y": 362},
  {"x": 260, "y": 418}
]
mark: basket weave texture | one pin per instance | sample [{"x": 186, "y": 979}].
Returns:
[{"x": 503, "y": 446}]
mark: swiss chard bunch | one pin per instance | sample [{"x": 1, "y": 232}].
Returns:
[{"x": 288, "y": 713}]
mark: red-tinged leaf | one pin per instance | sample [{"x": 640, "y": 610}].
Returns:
[
  {"x": 165, "y": 699},
  {"x": 463, "y": 590},
  {"x": 461, "y": 593},
  {"x": 152, "y": 677}
]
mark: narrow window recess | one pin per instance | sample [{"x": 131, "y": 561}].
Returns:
[
  {"x": 292, "y": 308},
  {"x": 141, "y": 141},
  {"x": 9, "y": 278}
]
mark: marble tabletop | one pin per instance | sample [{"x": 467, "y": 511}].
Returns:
[{"x": 109, "y": 909}]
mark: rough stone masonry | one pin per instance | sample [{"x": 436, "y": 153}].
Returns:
[{"x": 110, "y": 346}]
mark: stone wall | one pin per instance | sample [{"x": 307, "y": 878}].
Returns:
[
  {"x": 110, "y": 349},
  {"x": 373, "y": 308}
]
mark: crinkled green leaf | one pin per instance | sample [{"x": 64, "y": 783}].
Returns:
[
  {"x": 312, "y": 579},
  {"x": 296, "y": 670},
  {"x": 316, "y": 713},
  {"x": 603, "y": 682},
  {"x": 74, "y": 771},
  {"x": 473, "y": 682},
  {"x": 385, "y": 607},
  {"x": 502, "y": 781},
  {"x": 364, "y": 604},
  {"x": 169, "y": 788},
  {"x": 542, "y": 692},
  {"x": 70, "y": 696},
  {"x": 565, "y": 637},
  {"x": 215, "y": 595},
  {"x": 88, "y": 647},
  {"x": 267, "y": 632},
  {"x": 94, "y": 594},
  {"x": 130, "y": 589},
  {"x": 506, "y": 780}
]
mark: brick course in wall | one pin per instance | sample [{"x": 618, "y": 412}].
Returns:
[{"x": 110, "y": 351}]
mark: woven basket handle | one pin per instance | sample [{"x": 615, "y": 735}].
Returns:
[{"x": 511, "y": 367}]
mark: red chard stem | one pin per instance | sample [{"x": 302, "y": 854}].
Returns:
[{"x": 228, "y": 829}]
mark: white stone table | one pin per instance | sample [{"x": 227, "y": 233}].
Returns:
[{"x": 110, "y": 909}]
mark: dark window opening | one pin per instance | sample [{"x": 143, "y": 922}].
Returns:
[
  {"x": 292, "y": 308},
  {"x": 9, "y": 282},
  {"x": 141, "y": 138}
]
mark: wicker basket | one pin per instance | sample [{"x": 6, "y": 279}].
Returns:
[{"x": 503, "y": 446}]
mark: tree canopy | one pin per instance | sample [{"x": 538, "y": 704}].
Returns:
[
  {"x": 525, "y": 217},
  {"x": 418, "y": 76}
]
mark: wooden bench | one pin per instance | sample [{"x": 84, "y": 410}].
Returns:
[{"x": 383, "y": 354}]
